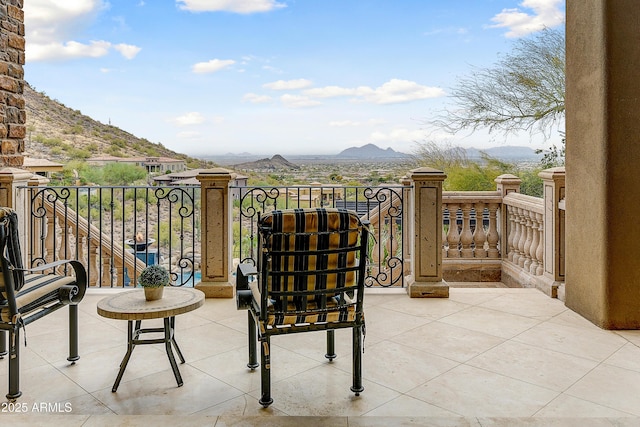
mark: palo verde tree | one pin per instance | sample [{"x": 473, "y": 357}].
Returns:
[{"x": 524, "y": 91}]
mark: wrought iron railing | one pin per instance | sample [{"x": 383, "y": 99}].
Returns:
[
  {"x": 382, "y": 206},
  {"x": 116, "y": 231}
]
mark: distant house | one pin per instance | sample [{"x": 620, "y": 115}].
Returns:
[
  {"x": 153, "y": 165},
  {"x": 41, "y": 167},
  {"x": 189, "y": 177}
]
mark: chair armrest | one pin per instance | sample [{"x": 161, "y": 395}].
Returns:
[
  {"x": 244, "y": 296},
  {"x": 73, "y": 293}
]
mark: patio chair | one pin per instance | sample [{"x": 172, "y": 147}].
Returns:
[
  {"x": 27, "y": 295},
  {"x": 310, "y": 276}
]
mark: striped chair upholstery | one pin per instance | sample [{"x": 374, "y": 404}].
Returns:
[
  {"x": 309, "y": 276},
  {"x": 27, "y": 295}
]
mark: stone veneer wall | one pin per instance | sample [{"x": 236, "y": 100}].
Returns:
[{"x": 12, "y": 105}]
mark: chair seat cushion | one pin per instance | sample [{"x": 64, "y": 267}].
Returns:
[{"x": 38, "y": 290}]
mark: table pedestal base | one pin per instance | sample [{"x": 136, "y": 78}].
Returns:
[{"x": 133, "y": 339}]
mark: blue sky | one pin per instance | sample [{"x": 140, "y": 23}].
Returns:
[{"x": 207, "y": 77}]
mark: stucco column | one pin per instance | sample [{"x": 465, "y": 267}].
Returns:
[
  {"x": 603, "y": 161},
  {"x": 426, "y": 280},
  {"x": 506, "y": 184},
  {"x": 216, "y": 209}
]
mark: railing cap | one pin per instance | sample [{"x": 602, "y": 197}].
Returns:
[
  {"x": 553, "y": 173},
  {"x": 427, "y": 173}
]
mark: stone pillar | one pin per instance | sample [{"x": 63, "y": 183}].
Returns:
[
  {"x": 217, "y": 242},
  {"x": 602, "y": 161},
  {"x": 407, "y": 209},
  {"x": 506, "y": 184},
  {"x": 553, "y": 187},
  {"x": 13, "y": 115},
  {"x": 17, "y": 198},
  {"x": 426, "y": 281}
]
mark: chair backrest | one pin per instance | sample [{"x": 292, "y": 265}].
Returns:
[
  {"x": 12, "y": 277},
  {"x": 311, "y": 260}
]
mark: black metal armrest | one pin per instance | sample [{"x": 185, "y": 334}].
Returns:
[
  {"x": 244, "y": 296},
  {"x": 71, "y": 293}
]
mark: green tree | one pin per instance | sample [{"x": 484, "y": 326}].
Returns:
[
  {"x": 122, "y": 173},
  {"x": 522, "y": 91}
]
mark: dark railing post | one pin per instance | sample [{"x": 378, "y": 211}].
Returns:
[
  {"x": 426, "y": 281},
  {"x": 216, "y": 233}
]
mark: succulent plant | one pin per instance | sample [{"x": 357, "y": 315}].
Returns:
[{"x": 154, "y": 276}]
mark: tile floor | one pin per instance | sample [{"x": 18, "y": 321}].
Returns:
[{"x": 483, "y": 357}]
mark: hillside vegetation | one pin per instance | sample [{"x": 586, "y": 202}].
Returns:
[{"x": 59, "y": 133}]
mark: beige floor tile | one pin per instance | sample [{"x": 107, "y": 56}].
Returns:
[
  {"x": 492, "y": 322},
  {"x": 407, "y": 406},
  {"x": 430, "y": 308},
  {"x": 534, "y": 305},
  {"x": 149, "y": 420},
  {"x": 627, "y": 357},
  {"x": 231, "y": 367},
  {"x": 158, "y": 394},
  {"x": 383, "y": 323},
  {"x": 278, "y": 421},
  {"x": 325, "y": 391},
  {"x": 470, "y": 391},
  {"x": 569, "y": 406},
  {"x": 612, "y": 387},
  {"x": 589, "y": 342},
  {"x": 449, "y": 341},
  {"x": 542, "y": 367},
  {"x": 400, "y": 367},
  {"x": 241, "y": 406}
]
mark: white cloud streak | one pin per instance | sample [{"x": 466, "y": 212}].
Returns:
[
  {"x": 288, "y": 84},
  {"x": 546, "y": 13},
  {"x": 212, "y": 66},
  {"x": 395, "y": 91},
  {"x": 298, "y": 101},
  {"x": 254, "y": 98},
  {"x": 52, "y": 26},
  {"x": 189, "y": 119},
  {"x": 235, "y": 6}
]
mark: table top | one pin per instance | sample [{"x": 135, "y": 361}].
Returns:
[{"x": 131, "y": 305}]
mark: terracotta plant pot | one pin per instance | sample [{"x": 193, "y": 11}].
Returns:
[{"x": 152, "y": 294}]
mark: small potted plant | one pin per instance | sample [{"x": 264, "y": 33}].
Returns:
[{"x": 153, "y": 279}]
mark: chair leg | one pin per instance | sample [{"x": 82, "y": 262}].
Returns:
[
  {"x": 3, "y": 344},
  {"x": 265, "y": 370},
  {"x": 253, "y": 339},
  {"x": 73, "y": 334},
  {"x": 331, "y": 345},
  {"x": 14, "y": 364},
  {"x": 357, "y": 360}
]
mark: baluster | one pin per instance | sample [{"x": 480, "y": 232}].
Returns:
[
  {"x": 445, "y": 233},
  {"x": 540, "y": 249},
  {"x": 514, "y": 234},
  {"x": 493, "y": 237},
  {"x": 479, "y": 235},
  {"x": 93, "y": 267},
  {"x": 466, "y": 237},
  {"x": 453, "y": 236},
  {"x": 528, "y": 223},
  {"x": 49, "y": 242},
  {"x": 522, "y": 237}
]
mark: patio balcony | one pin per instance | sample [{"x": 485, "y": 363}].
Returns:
[{"x": 490, "y": 356}]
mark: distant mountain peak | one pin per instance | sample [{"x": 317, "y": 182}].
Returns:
[{"x": 369, "y": 151}]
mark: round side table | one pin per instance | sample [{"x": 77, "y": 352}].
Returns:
[{"x": 132, "y": 306}]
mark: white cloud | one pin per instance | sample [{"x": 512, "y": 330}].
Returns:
[
  {"x": 69, "y": 50},
  {"x": 52, "y": 26},
  {"x": 189, "y": 119},
  {"x": 236, "y": 6},
  {"x": 288, "y": 84},
  {"x": 298, "y": 101},
  {"x": 355, "y": 123},
  {"x": 546, "y": 13},
  {"x": 127, "y": 50},
  {"x": 256, "y": 99},
  {"x": 212, "y": 66},
  {"x": 394, "y": 91}
]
